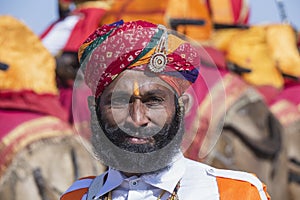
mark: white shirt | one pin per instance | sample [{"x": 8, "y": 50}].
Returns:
[{"x": 195, "y": 183}]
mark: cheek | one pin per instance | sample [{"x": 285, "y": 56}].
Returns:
[
  {"x": 113, "y": 117},
  {"x": 161, "y": 116},
  {"x": 116, "y": 116}
]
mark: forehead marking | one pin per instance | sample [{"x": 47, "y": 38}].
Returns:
[{"x": 136, "y": 90}]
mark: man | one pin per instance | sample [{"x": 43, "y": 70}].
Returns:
[{"x": 138, "y": 73}]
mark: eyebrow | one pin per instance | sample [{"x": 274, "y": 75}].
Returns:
[
  {"x": 154, "y": 92},
  {"x": 124, "y": 93},
  {"x": 119, "y": 93}
]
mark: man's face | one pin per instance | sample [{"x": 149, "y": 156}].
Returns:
[{"x": 138, "y": 112}]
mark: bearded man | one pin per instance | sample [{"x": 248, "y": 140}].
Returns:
[{"x": 138, "y": 73}]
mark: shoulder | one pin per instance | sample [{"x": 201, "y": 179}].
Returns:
[
  {"x": 79, "y": 188},
  {"x": 231, "y": 183}
]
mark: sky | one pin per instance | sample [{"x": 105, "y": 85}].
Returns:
[{"x": 38, "y": 14}]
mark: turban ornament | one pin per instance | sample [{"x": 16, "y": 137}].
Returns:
[{"x": 158, "y": 60}]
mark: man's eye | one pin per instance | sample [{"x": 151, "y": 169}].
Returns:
[
  {"x": 154, "y": 101},
  {"x": 119, "y": 101}
]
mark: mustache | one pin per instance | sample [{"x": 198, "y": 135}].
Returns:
[
  {"x": 155, "y": 134},
  {"x": 139, "y": 132},
  {"x": 158, "y": 137}
]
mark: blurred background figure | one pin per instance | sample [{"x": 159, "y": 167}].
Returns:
[
  {"x": 64, "y": 8},
  {"x": 265, "y": 57},
  {"x": 190, "y": 17},
  {"x": 63, "y": 37},
  {"x": 38, "y": 148},
  {"x": 229, "y": 13},
  {"x": 286, "y": 107},
  {"x": 129, "y": 10},
  {"x": 242, "y": 134}
]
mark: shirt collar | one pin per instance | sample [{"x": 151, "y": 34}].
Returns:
[
  {"x": 113, "y": 180},
  {"x": 166, "y": 178}
]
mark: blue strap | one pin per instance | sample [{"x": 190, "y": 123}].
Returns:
[{"x": 79, "y": 184}]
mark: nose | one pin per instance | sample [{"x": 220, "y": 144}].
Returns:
[{"x": 138, "y": 114}]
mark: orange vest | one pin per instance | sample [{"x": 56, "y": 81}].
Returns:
[{"x": 229, "y": 189}]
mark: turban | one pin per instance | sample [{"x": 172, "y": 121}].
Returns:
[{"x": 138, "y": 45}]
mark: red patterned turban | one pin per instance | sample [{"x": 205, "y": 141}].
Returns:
[{"x": 138, "y": 45}]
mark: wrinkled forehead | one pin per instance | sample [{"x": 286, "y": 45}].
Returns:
[{"x": 134, "y": 81}]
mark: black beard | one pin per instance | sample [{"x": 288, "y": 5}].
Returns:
[
  {"x": 124, "y": 160},
  {"x": 160, "y": 136}
]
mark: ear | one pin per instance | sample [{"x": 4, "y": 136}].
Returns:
[{"x": 187, "y": 102}]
